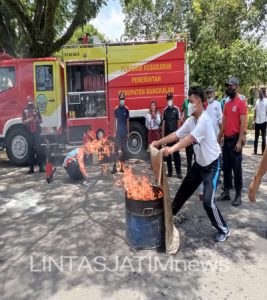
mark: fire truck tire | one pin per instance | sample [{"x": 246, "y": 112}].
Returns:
[
  {"x": 137, "y": 140},
  {"x": 18, "y": 146}
]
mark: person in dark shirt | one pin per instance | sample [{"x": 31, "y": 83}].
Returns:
[
  {"x": 31, "y": 119},
  {"x": 121, "y": 115},
  {"x": 171, "y": 117}
]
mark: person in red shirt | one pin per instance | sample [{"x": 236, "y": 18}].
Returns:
[
  {"x": 31, "y": 119},
  {"x": 86, "y": 38},
  {"x": 231, "y": 138}
]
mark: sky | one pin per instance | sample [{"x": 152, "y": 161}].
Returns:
[{"x": 109, "y": 21}]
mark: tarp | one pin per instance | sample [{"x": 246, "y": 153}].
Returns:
[{"x": 172, "y": 237}]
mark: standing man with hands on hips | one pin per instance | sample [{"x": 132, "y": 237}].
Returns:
[
  {"x": 197, "y": 131},
  {"x": 171, "y": 119},
  {"x": 121, "y": 115},
  {"x": 231, "y": 137}
]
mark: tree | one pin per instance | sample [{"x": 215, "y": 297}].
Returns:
[
  {"x": 225, "y": 36},
  {"x": 7, "y": 31},
  {"x": 140, "y": 21},
  {"x": 46, "y": 25},
  {"x": 148, "y": 19}
]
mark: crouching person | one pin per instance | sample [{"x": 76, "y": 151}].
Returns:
[{"x": 74, "y": 163}]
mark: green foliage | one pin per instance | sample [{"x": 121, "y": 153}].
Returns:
[
  {"x": 80, "y": 31},
  {"x": 44, "y": 26},
  {"x": 225, "y": 36},
  {"x": 251, "y": 124}
]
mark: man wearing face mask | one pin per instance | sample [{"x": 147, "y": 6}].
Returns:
[
  {"x": 260, "y": 118},
  {"x": 31, "y": 119},
  {"x": 171, "y": 117},
  {"x": 231, "y": 138},
  {"x": 206, "y": 168},
  {"x": 214, "y": 109},
  {"x": 121, "y": 115}
]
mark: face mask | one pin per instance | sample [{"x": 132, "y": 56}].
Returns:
[
  {"x": 30, "y": 105},
  {"x": 170, "y": 103},
  {"x": 121, "y": 102},
  {"x": 210, "y": 100},
  {"x": 231, "y": 93}
]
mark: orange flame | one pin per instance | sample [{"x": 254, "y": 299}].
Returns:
[
  {"x": 121, "y": 166},
  {"x": 103, "y": 147},
  {"x": 137, "y": 187},
  {"x": 105, "y": 169}
]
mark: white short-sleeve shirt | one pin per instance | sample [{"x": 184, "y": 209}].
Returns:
[
  {"x": 214, "y": 110},
  {"x": 261, "y": 111},
  {"x": 206, "y": 147}
]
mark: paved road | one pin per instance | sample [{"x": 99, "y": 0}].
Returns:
[{"x": 66, "y": 241}]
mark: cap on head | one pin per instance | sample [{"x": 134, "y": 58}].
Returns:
[
  {"x": 232, "y": 81},
  {"x": 121, "y": 96},
  {"x": 210, "y": 89},
  {"x": 169, "y": 96}
]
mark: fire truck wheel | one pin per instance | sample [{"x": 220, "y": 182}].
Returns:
[
  {"x": 17, "y": 146},
  {"x": 137, "y": 139}
]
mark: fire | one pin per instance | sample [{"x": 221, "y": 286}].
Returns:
[
  {"x": 104, "y": 169},
  {"x": 121, "y": 166},
  {"x": 137, "y": 187},
  {"x": 103, "y": 146}
]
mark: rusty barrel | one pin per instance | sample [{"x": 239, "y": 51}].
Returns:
[{"x": 145, "y": 222}]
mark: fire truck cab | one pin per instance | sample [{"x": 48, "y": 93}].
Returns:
[{"x": 42, "y": 80}]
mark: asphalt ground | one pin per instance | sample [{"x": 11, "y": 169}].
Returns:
[{"x": 67, "y": 241}]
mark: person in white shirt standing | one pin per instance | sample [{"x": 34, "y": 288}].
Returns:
[
  {"x": 196, "y": 130},
  {"x": 260, "y": 118},
  {"x": 153, "y": 121},
  {"x": 214, "y": 109}
]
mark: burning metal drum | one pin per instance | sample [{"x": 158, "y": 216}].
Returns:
[{"x": 145, "y": 222}]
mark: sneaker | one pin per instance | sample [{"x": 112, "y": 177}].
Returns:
[
  {"x": 225, "y": 196},
  {"x": 179, "y": 175},
  {"x": 238, "y": 200},
  {"x": 254, "y": 153},
  {"x": 169, "y": 175},
  {"x": 31, "y": 171},
  {"x": 221, "y": 236}
]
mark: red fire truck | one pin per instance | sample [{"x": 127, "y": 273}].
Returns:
[{"x": 82, "y": 92}]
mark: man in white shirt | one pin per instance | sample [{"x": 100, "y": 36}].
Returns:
[
  {"x": 214, "y": 109},
  {"x": 196, "y": 130},
  {"x": 260, "y": 118}
]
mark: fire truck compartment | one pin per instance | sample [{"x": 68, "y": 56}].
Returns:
[{"x": 86, "y": 92}]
